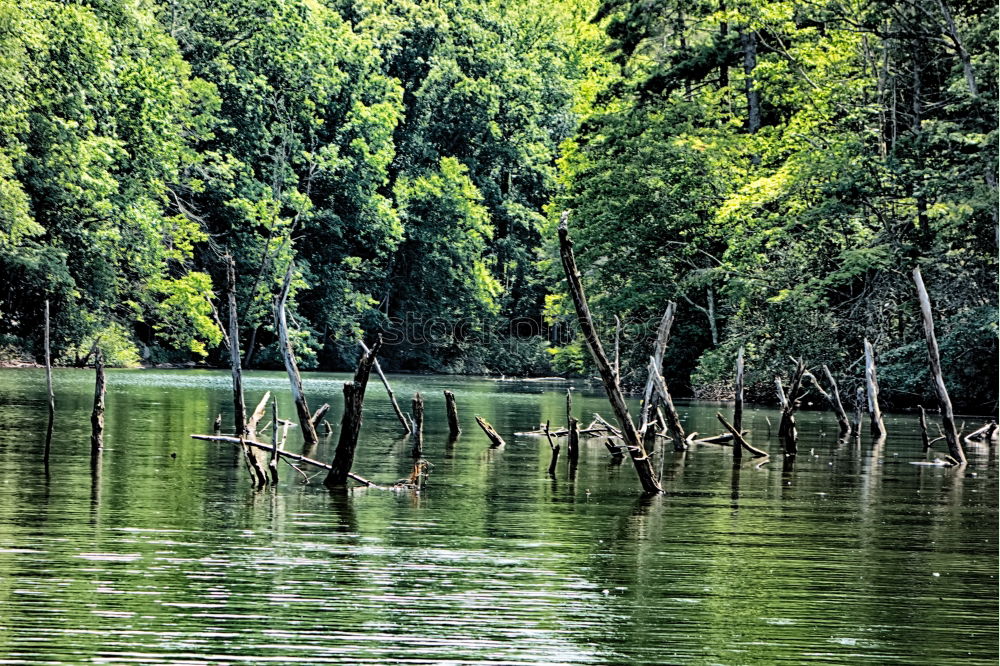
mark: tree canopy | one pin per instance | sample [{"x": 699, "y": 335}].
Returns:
[{"x": 777, "y": 168}]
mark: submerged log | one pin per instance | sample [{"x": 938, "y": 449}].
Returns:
[
  {"x": 738, "y": 390},
  {"x": 291, "y": 367},
  {"x": 934, "y": 359},
  {"x": 286, "y": 455},
  {"x": 495, "y": 439},
  {"x": 871, "y": 381},
  {"x": 454, "y": 429},
  {"x": 97, "y": 415},
  {"x": 641, "y": 461},
  {"x": 418, "y": 425},
  {"x": 982, "y": 434},
  {"x": 350, "y": 424},
  {"x": 239, "y": 405},
  {"x": 739, "y": 443},
  {"x": 388, "y": 389}
]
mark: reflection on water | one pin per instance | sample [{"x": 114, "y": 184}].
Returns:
[{"x": 161, "y": 552}]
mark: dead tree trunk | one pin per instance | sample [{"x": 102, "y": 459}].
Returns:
[
  {"x": 388, "y": 389},
  {"x": 97, "y": 415},
  {"x": 642, "y": 463},
  {"x": 871, "y": 381},
  {"x": 924, "y": 437},
  {"x": 573, "y": 443},
  {"x": 317, "y": 417},
  {"x": 239, "y": 406},
  {"x": 555, "y": 451},
  {"x": 659, "y": 349},
  {"x": 495, "y": 439},
  {"x": 454, "y": 429},
  {"x": 674, "y": 426},
  {"x": 934, "y": 358},
  {"x": 859, "y": 401},
  {"x": 418, "y": 425},
  {"x": 288, "y": 354},
  {"x": 273, "y": 462},
  {"x": 786, "y": 428},
  {"x": 48, "y": 364},
  {"x": 738, "y": 389},
  {"x": 838, "y": 407},
  {"x": 350, "y": 424}
]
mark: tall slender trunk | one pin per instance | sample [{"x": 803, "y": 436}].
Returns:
[{"x": 239, "y": 406}]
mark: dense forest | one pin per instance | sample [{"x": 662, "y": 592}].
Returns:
[{"x": 776, "y": 168}]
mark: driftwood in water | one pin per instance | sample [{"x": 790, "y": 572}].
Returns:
[
  {"x": 97, "y": 415},
  {"x": 555, "y": 451},
  {"x": 388, "y": 389},
  {"x": 982, "y": 434},
  {"x": 674, "y": 427},
  {"x": 838, "y": 407},
  {"x": 288, "y": 354},
  {"x": 350, "y": 423},
  {"x": 786, "y": 427},
  {"x": 418, "y": 425},
  {"x": 642, "y": 463},
  {"x": 721, "y": 440},
  {"x": 610, "y": 429},
  {"x": 285, "y": 455},
  {"x": 871, "y": 381},
  {"x": 934, "y": 359},
  {"x": 454, "y": 429},
  {"x": 739, "y": 443},
  {"x": 233, "y": 338},
  {"x": 495, "y": 439},
  {"x": 738, "y": 390}
]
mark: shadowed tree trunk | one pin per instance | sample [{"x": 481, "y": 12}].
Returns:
[{"x": 350, "y": 424}]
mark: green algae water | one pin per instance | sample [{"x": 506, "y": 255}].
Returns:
[{"x": 162, "y": 553}]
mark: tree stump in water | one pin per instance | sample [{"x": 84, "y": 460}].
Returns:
[
  {"x": 418, "y": 425},
  {"x": 350, "y": 424},
  {"x": 871, "y": 380},
  {"x": 97, "y": 415},
  {"x": 288, "y": 354},
  {"x": 454, "y": 429}
]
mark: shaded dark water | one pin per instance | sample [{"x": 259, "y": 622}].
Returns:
[{"x": 165, "y": 555}]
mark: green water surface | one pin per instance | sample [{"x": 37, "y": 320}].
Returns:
[{"x": 162, "y": 553}]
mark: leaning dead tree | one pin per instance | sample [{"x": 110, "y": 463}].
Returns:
[
  {"x": 674, "y": 427},
  {"x": 871, "y": 382},
  {"x": 838, "y": 407},
  {"x": 739, "y": 442},
  {"x": 350, "y": 424},
  {"x": 934, "y": 358},
  {"x": 388, "y": 389},
  {"x": 649, "y": 394},
  {"x": 641, "y": 461},
  {"x": 288, "y": 354},
  {"x": 495, "y": 439}
]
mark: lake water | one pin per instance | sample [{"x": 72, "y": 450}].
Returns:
[{"x": 164, "y": 554}]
